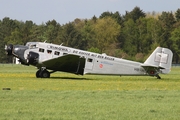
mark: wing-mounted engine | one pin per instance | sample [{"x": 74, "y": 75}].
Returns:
[{"x": 32, "y": 58}]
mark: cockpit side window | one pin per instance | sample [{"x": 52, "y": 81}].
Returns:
[{"x": 41, "y": 50}]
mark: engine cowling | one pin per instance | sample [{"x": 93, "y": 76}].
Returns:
[
  {"x": 32, "y": 58},
  {"x": 9, "y": 49}
]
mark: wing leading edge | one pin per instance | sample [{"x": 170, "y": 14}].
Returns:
[{"x": 67, "y": 63}]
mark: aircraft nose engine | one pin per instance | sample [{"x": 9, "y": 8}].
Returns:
[
  {"x": 9, "y": 49},
  {"x": 32, "y": 58}
]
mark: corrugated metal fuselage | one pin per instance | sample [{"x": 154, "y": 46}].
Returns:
[{"x": 94, "y": 63}]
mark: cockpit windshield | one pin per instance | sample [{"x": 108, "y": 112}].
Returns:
[{"x": 31, "y": 45}]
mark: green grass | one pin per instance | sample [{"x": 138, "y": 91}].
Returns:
[{"x": 67, "y": 96}]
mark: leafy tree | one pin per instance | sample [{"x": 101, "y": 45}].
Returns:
[
  {"x": 167, "y": 21},
  {"x": 94, "y": 19},
  {"x": 2, "y": 54},
  {"x": 52, "y": 22},
  {"x": 177, "y": 15},
  {"x": 135, "y": 33},
  {"x": 106, "y": 32},
  {"x": 175, "y": 37},
  {"x": 38, "y": 33},
  {"x": 154, "y": 32},
  {"x": 106, "y": 14},
  {"x": 70, "y": 36},
  {"x": 129, "y": 32},
  {"x": 96, "y": 50},
  {"x": 15, "y": 37},
  {"x": 82, "y": 28},
  {"x": 7, "y": 25},
  {"x": 87, "y": 34},
  {"x": 52, "y": 29},
  {"x": 118, "y": 17},
  {"x": 132, "y": 34},
  {"x": 50, "y": 33},
  {"x": 26, "y": 31},
  {"x": 135, "y": 14},
  {"x": 142, "y": 36},
  {"x": 115, "y": 15}
]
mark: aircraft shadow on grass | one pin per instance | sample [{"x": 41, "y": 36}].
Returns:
[{"x": 70, "y": 78}]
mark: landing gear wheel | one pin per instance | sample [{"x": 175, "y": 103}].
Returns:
[
  {"x": 38, "y": 74},
  {"x": 45, "y": 74},
  {"x": 42, "y": 73}
]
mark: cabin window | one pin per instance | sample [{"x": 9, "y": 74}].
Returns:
[
  {"x": 41, "y": 50},
  {"x": 49, "y": 51},
  {"x": 56, "y": 53},
  {"x": 89, "y": 60}
]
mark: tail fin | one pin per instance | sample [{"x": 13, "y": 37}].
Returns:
[{"x": 160, "y": 58}]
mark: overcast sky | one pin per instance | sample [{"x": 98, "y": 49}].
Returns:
[{"x": 64, "y": 11}]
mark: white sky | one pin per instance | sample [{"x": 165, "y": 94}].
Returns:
[{"x": 64, "y": 11}]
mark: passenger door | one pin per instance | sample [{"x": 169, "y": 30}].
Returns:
[{"x": 89, "y": 63}]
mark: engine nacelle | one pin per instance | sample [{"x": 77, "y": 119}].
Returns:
[
  {"x": 32, "y": 58},
  {"x": 9, "y": 49}
]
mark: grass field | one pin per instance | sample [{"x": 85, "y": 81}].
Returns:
[{"x": 66, "y": 96}]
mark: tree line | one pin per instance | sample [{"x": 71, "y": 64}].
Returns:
[{"x": 131, "y": 36}]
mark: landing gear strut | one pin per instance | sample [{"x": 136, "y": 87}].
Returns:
[
  {"x": 158, "y": 77},
  {"x": 42, "y": 73}
]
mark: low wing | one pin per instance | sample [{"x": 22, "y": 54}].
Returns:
[{"x": 67, "y": 63}]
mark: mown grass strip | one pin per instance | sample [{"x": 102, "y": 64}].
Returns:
[
  {"x": 68, "y": 96},
  {"x": 44, "y": 104}
]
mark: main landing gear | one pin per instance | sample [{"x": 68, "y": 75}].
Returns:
[{"x": 43, "y": 73}]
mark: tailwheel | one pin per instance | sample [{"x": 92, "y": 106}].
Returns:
[{"x": 42, "y": 73}]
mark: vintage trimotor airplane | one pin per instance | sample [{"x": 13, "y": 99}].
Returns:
[{"x": 47, "y": 56}]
